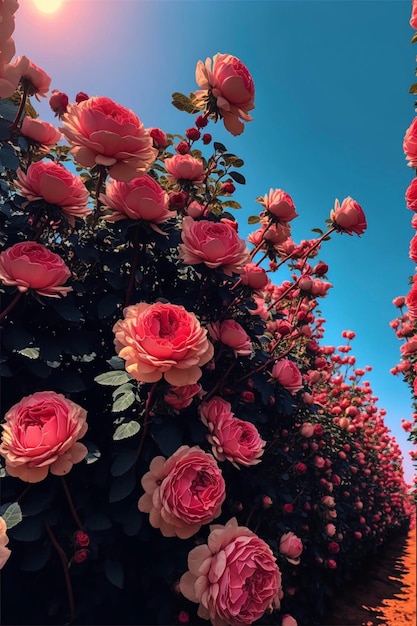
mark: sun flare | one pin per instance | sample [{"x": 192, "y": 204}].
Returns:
[{"x": 47, "y": 6}]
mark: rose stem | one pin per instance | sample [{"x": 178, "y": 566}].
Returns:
[
  {"x": 64, "y": 562},
  {"x": 71, "y": 504}
]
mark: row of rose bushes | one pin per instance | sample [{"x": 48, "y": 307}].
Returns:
[{"x": 179, "y": 444}]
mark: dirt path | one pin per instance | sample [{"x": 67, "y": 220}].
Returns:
[{"x": 386, "y": 594}]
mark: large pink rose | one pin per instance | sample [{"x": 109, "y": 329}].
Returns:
[
  {"x": 101, "y": 132},
  {"x": 227, "y": 90},
  {"x": 413, "y": 18},
  {"x": 181, "y": 397},
  {"x": 142, "y": 198},
  {"x": 254, "y": 276},
  {"x": 29, "y": 265},
  {"x": 233, "y": 577},
  {"x": 159, "y": 340},
  {"x": 43, "y": 132},
  {"x": 288, "y": 375},
  {"x": 40, "y": 434},
  {"x": 185, "y": 167},
  {"x": 4, "y": 540},
  {"x": 411, "y": 195},
  {"x": 183, "y": 492},
  {"x": 9, "y": 75},
  {"x": 291, "y": 547},
  {"x": 216, "y": 244},
  {"x": 231, "y": 438},
  {"x": 56, "y": 185},
  {"x": 413, "y": 249},
  {"x": 36, "y": 79},
  {"x": 280, "y": 204},
  {"x": 231, "y": 334},
  {"x": 348, "y": 217},
  {"x": 410, "y": 144},
  {"x": 411, "y": 301}
]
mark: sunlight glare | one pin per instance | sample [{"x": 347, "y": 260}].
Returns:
[{"x": 47, "y": 6}]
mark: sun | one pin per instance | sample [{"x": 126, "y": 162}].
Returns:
[{"x": 47, "y": 6}]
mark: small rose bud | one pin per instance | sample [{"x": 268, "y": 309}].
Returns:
[
  {"x": 300, "y": 468},
  {"x": 192, "y": 134},
  {"x": 160, "y": 139},
  {"x": 321, "y": 269},
  {"x": 206, "y": 138},
  {"x": 183, "y": 617},
  {"x": 183, "y": 147},
  {"x": 266, "y": 502},
  {"x": 201, "y": 121},
  {"x": 318, "y": 430},
  {"x": 58, "y": 102},
  {"x": 248, "y": 396},
  {"x": 81, "y": 539},
  {"x": 288, "y": 508},
  {"x": 80, "y": 97},
  {"x": 227, "y": 187},
  {"x": 177, "y": 200},
  {"x": 80, "y": 556}
]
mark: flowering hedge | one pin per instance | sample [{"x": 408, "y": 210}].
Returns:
[{"x": 178, "y": 443}]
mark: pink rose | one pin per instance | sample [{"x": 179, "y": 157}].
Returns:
[
  {"x": 29, "y": 265},
  {"x": 410, "y": 143},
  {"x": 216, "y": 244},
  {"x": 413, "y": 249},
  {"x": 348, "y": 217},
  {"x": 231, "y": 334},
  {"x": 330, "y": 529},
  {"x": 411, "y": 195},
  {"x": 288, "y": 375},
  {"x": 185, "y": 167},
  {"x": 234, "y": 577},
  {"x": 142, "y": 198},
  {"x": 291, "y": 547},
  {"x": 307, "y": 429},
  {"x": 275, "y": 234},
  {"x": 4, "y": 540},
  {"x": 409, "y": 347},
  {"x": 7, "y": 9},
  {"x": 160, "y": 139},
  {"x": 228, "y": 90},
  {"x": 254, "y": 276},
  {"x": 181, "y": 397},
  {"x": 280, "y": 204},
  {"x": 9, "y": 74},
  {"x": 288, "y": 620},
  {"x": 413, "y": 18},
  {"x": 58, "y": 102},
  {"x": 33, "y": 77},
  {"x": 159, "y": 340},
  {"x": 42, "y": 132},
  {"x": 183, "y": 492},
  {"x": 40, "y": 433},
  {"x": 56, "y": 185},
  {"x": 411, "y": 301},
  {"x": 231, "y": 438},
  {"x": 101, "y": 132}
]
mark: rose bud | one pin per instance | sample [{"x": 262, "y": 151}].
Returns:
[
  {"x": 81, "y": 96},
  {"x": 58, "y": 102},
  {"x": 80, "y": 556},
  {"x": 206, "y": 138},
  {"x": 192, "y": 134},
  {"x": 81, "y": 539},
  {"x": 201, "y": 121},
  {"x": 183, "y": 147},
  {"x": 228, "y": 187}
]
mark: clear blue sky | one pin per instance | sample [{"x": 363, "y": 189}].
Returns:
[{"x": 332, "y": 106}]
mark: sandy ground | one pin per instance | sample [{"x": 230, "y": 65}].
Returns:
[{"x": 385, "y": 595}]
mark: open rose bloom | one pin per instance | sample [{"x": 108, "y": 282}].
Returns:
[
  {"x": 183, "y": 492},
  {"x": 279, "y": 204},
  {"x": 226, "y": 88},
  {"x": 348, "y": 217},
  {"x": 162, "y": 340},
  {"x": 42, "y": 132},
  {"x": 288, "y": 375},
  {"x": 40, "y": 434},
  {"x": 233, "y": 577},
  {"x": 101, "y": 132},
  {"x": 4, "y": 540},
  {"x": 291, "y": 547}
]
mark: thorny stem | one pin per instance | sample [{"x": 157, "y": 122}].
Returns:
[
  {"x": 146, "y": 419},
  {"x": 64, "y": 562},
  {"x": 21, "y": 108},
  {"x": 71, "y": 504}
]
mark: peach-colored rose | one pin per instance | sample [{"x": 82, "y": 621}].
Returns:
[
  {"x": 29, "y": 265},
  {"x": 183, "y": 492},
  {"x": 234, "y": 577},
  {"x": 56, "y": 185},
  {"x": 216, "y": 244},
  {"x": 291, "y": 547},
  {"x": 280, "y": 204},
  {"x": 7, "y": 51},
  {"x": 7, "y": 10},
  {"x": 142, "y": 198},
  {"x": 411, "y": 195},
  {"x": 348, "y": 217},
  {"x": 9, "y": 79},
  {"x": 185, "y": 167},
  {"x": 231, "y": 438},
  {"x": 159, "y": 340},
  {"x": 4, "y": 540},
  {"x": 275, "y": 234},
  {"x": 40, "y": 434},
  {"x": 44, "y": 133},
  {"x": 34, "y": 77},
  {"x": 254, "y": 276},
  {"x": 231, "y": 334},
  {"x": 101, "y": 132},
  {"x": 288, "y": 375},
  {"x": 181, "y": 397},
  {"x": 227, "y": 90},
  {"x": 288, "y": 620}
]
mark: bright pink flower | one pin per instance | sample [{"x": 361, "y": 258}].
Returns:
[
  {"x": 29, "y": 265},
  {"x": 36, "y": 78},
  {"x": 101, "y": 132},
  {"x": 142, "y": 198},
  {"x": 348, "y": 217},
  {"x": 159, "y": 340},
  {"x": 330, "y": 529},
  {"x": 216, "y": 244},
  {"x": 58, "y": 102},
  {"x": 231, "y": 438},
  {"x": 181, "y": 397},
  {"x": 42, "y": 132},
  {"x": 413, "y": 249},
  {"x": 231, "y": 334},
  {"x": 185, "y": 167},
  {"x": 280, "y": 204},
  {"x": 410, "y": 347},
  {"x": 160, "y": 139},
  {"x": 228, "y": 86},
  {"x": 413, "y": 18},
  {"x": 411, "y": 301},
  {"x": 4, "y": 540},
  {"x": 234, "y": 577},
  {"x": 307, "y": 429},
  {"x": 410, "y": 144},
  {"x": 411, "y": 195},
  {"x": 288, "y": 620},
  {"x": 254, "y": 276},
  {"x": 40, "y": 434},
  {"x": 183, "y": 492},
  {"x": 288, "y": 375},
  {"x": 291, "y": 547},
  {"x": 56, "y": 185},
  {"x": 7, "y": 10},
  {"x": 9, "y": 74}
]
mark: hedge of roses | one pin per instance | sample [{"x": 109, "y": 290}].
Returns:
[{"x": 178, "y": 443}]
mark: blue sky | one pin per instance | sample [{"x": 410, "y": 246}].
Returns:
[{"x": 331, "y": 109}]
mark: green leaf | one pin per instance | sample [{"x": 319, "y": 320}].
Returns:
[
  {"x": 232, "y": 204},
  {"x": 12, "y": 515},
  {"x": 183, "y": 103},
  {"x": 219, "y": 147},
  {"x": 114, "y": 573},
  {"x": 414, "y": 38},
  {"x": 128, "y": 429},
  {"x": 122, "y": 486},
  {"x": 98, "y": 521},
  {"x": 121, "y": 390},
  {"x": 254, "y": 219},
  {"x": 238, "y": 177},
  {"x": 112, "y": 379},
  {"x": 123, "y": 462},
  {"x": 317, "y": 230},
  {"x": 30, "y": 353},
  {"x": 413, "y": 89},
  {"x": 123, "y": 402}
]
